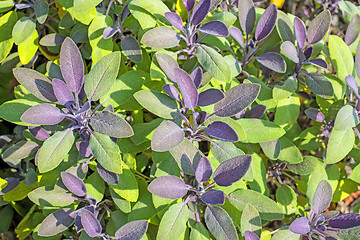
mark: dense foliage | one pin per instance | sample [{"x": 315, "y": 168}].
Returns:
[{"x": 164, "y": 119}]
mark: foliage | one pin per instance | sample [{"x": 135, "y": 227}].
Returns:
[{"x": 164, "y": 119}]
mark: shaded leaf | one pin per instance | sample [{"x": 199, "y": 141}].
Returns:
[
  {"x": 172, "y": 91},
  {"x": 131, "y": 48},
  {"x": 107, "y": 176},
  {"x": 353, "y": 30},
  {"x": 166, "y": 136},
  {"x": 203, "y": 170},
  {"x": 250, "y": 221},
  {"x": 232, "y": 170},
  {"x": 237, "y": 99},
  {"x": 170, "y": 187},
  {"x": 319, "y": 27},
  {"x": 20, "y": 150},
  {"x": 319, "y": 85},
  {"x": 345, "y": 221},
  {"x": 222, "y": 131},
  {"x": 273, "y": 61},
  {"x": 134, "y": 230},
  {"x": 257, "y": 111},
  {"x": 56, "y": 222},
  {"x": 315, "y": 114},
  {"x": 210, "y": 96},
  {"x": 197, "y": 76},
  {"x": 41, "y": 8},
  {"x": 62, "y": 92},
  {"x": 318, "y": 62},
  {"x": 219, "y": 223},
  {"x": 168, "y": 64},
  {"x": 351, "y": 82},
  {"x": 200, "y": 11},
  {"x": 243, "y": 12},
  {"x": 52, "y": 40},
  {"x": 48, "y": 197},
  {"x": 189, "y": 4},
  {"x": 213, "y": 196},
  {"x": 266, "y": 23}
]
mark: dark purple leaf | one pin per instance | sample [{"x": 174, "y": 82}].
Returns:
[
  {"x": 266, "y": 23},
  {"x": 244, "y": 7},
  {"x": 74, "y": 184},
  {"x": 232, "y": 170},
  {"x": 237, "y": 99},
  {"x": 78, "y": 225},
  {"x": 170, "y": 187},
  {"x": 43, "y": 114},
  {"x": 52, "y": 40},
  {"x": 318, "y": 62},
  {"x": 56, "y": 222},
  {"x": 168, "y": 64},
  {"x": 308, "y": 52},
  {"x": 200, "y": 117},
  {"x": 197, "y": 76},
  {"x": 90, "y": 223},
  {"x": 175, "y": 20},
  {"x": 62, "y": 92},
  {"x": 84, "y": 148},
  {"x": 251, "y": 236},
  {"x": 304, "y": 95},
  {"x": 203, "y": 170},
  {"x": 134, "y": 230},
  {"x": 107, "y": 176},
  {"x": 200, "y": 11},
  {"x": 351, "y": 82},
  {"x": 353, "y": 30},
  {"x": 300, "y": 32},
  {"x": 257, "y": 111},
  {"x": 319, "y": 27},
  {"x": 344, "y": 221},
  {"x": 322, "y": 198},
  {"x": 300, "y": 226},
  {"x": 36, "y": 83},
  {"x": 71, "y": 64},
  {"x": 210, "y": 96},
  {"x": 357, "y": 60},
  {"x": 213, "y": 196},
  {"x": 39, "y": 133},
  {"x": 11, "y": 184},
  {"x": 125, "y": 12},
  {"x": 161, "y": 37},
  {"x": 237, "y": 35},
  {"x": 131, "y": 48},
  {"x": 289, "y": 49},
  {"x": 273, "y": 61},
  {"x": 172, "y": 91},
  {"x": 315, "y": 114},
  {"x": 189, "y": 4},
  {"x": 250, "y": 20},
  {"x": 215, "y": 28},
  {"x": 109, "y": 32},
  {"x": 221, "y": 131},
  {"x": 187, "y": 88},
  {"x": 166, "y": 136}
]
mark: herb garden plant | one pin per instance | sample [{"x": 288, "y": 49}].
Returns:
[{"x": 179, "y": 119}]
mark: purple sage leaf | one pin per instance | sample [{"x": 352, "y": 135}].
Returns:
[
  {"x": 166, "y": 136},
  {"x": 215, "y": 28},
  {"x": 212, "y": 196},
  {"x": 250, "y": 20},
  {"x": 318, "y": 62},
  {"x": 39, "y": 133},
  {"x": 170, "y": 187},
  {"x": 289, "y": 49},
  {"x": 71, "y": 64},
  {"x": 172, "y": 91},
  {"x": 187, "y": 88},
  {"x": 251, "y": 236},
  {"x": 315, "y": 114},
  {"x": 109, "y": 32},
  {"x": 319, "y": 27},
  {"x": 244, "y": 7},
  {"x": 90, "y": 223},
  {"x": 221, "y": 131},
  {"x": 134, "y": 230},
  {"x": 351, "y": 82},
  {"x": 43, "y": 114},
  {"x": 125, "y": 12},
  {"x": 200, "y": 11},
  {"x": 62, "y": 92},
  {"x": 161, "y": 37},
  {"x": 175, "y": 20},
  {"x": 232, "y": 170},
  {"x": 203, "y": 170},
  {"x": 84, "y": 148},
  {"x": 74, "y": 184},
  {"x": 210, "y": 96},
  {"x": 300, "y": 32},
  {"x": 353, "y": 30},
  {"x": 322, "y": 198},
  {"x": 107, "y": 176},
  {"x": 200, "y": 117},
  {"x": 197, "y": 76},
  {"x": 308, "y": 52},
  {"x": 237, "y": 99},
  {"x": 266, "y": 23},
  {"x": 189, "y": 4},
  {"x": 168, "y": 64},
  {"x": 300, "y": 226},
  {"x": 273, "y": 61},
  {"x": 344, "y": 221},
  {"x": 257, "y": 111},
  {"x": 57, "y": 222},
  {"x": 237, "y": 35}
]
